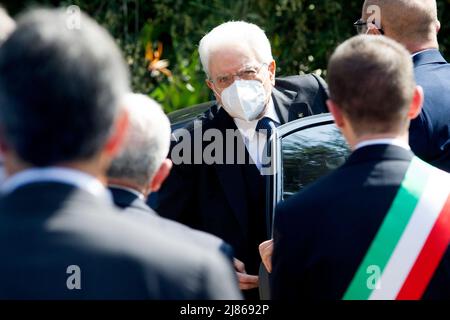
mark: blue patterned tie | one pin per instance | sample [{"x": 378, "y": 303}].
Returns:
[{"x": 266, "y": 125}]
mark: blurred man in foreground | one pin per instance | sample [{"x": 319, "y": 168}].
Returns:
[
  {"x": 377, "y": 227},
  {"x": 61, "y": 124}
]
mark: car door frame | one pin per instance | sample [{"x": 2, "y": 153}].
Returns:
[{"x": 274, "y": 182}]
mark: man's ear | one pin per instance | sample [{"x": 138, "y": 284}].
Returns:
[
  {"x": 438, "y": 26},
  {"x": 337, "y": 113},
  {"x": 416, "y": 104},
  {"x": 115, "y": 141},
  {"x": 213, "y": 89},
  {"x": 209, "y": 84},
  {"x": 272, "y": 70},
  {"x": 161, "y": 175}
]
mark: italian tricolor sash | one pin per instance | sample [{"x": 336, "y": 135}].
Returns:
[{"x": 411, "y": 241}]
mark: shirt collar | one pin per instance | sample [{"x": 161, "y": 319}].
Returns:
[
  {"x": 248, "y": 128},
  {"x": 395, "y": 142},
  {"x": 421, "y": 51},
  {"x": 68, "y": 176}
]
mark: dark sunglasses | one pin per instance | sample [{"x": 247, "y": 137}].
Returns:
[{"x": 362, "y": 27}]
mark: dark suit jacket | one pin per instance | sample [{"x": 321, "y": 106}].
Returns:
[
  {"x": 214, "y": 198},
  {"x": 322, "y": 234},
  {"x": 137, "y": 209},
  {"x": 47, "y": 227},
  {"x": 430, "y": 132}
]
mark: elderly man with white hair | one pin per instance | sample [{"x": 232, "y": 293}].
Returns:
[
  {"x": 142, "y": 165},
  {"x": 141, "y": 168},
  {"x": 224, "y": 197}
]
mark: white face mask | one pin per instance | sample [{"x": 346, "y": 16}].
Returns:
[{"x": 244, "y": 99}]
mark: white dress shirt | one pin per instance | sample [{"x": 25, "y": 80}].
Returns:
[
  {"x": 395, "y": 142},
  {"x": 256, "y": 141},
  {"x": 68, "y": 176}
]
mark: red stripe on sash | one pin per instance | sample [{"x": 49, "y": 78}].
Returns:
[{"x": 429, "y": 258}]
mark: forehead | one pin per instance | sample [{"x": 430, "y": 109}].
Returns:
[{"x": 230, "y": 59}]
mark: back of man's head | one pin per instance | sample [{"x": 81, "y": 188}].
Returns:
[
  {"x": 60, "y": 87},
  {"x": 410, "y": 22},
  {"x": 371, "y": 80},
  {"x": 146, "y": 144}
]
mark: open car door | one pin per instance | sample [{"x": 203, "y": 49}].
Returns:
[{"x": 300, "y": 152}]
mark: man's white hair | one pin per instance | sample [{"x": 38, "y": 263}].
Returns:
[
  {"x": 147, "y": 141},
  {"x": 231, "y": 34}
]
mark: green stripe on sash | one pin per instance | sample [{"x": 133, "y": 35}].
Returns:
[{"x": 391, "y": 229}]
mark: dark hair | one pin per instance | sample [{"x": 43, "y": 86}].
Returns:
[
  {"x": 60, "y": 86},
  {"x": 371, "y": 79}
]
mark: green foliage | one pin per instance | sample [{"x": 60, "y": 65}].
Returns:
[{"x": 303, "y": 34}]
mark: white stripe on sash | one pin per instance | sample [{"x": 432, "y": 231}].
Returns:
[{"x": 414, "y": 237}]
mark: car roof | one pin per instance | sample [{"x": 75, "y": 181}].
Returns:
[{"x": 182, "y": 118}]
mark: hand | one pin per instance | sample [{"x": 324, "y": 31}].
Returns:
[
  {"x": 265, "y": 251},
  {"x": 246, "y": 281}
]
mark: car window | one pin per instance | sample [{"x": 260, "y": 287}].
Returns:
[{"x": 309, "y": 154}]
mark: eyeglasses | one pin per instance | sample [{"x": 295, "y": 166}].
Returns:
[
  {"x": 246, "y": 73},
  {"x": 362, "y": 27}
]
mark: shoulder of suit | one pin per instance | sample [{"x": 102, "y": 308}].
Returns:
[
  {"x": 298, "y": 81},
  {"x": 95, "y": 226}
]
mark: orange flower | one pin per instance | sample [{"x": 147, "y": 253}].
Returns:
[{"x": 156, "y": 66}]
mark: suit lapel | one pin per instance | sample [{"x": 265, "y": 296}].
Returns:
[
  {"x": 282, "y": 102},
  {"x": 230, "y": 176}
]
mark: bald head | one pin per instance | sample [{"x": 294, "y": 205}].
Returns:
[{"x": 414, "y": 23}]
